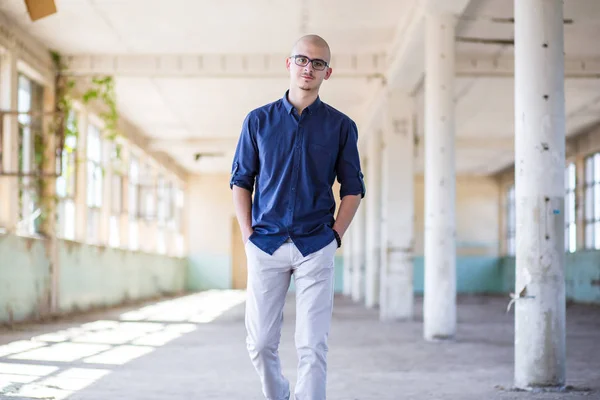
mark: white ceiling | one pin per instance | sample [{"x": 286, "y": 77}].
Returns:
[
  {"x": 188, "y": 113},
  {"x": 206, "y": 26}
]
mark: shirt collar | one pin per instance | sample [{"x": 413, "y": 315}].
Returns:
[{"x": 310, "y": 109}]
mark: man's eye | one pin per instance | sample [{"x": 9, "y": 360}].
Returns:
[
  {"x": 319, "y": 64},
  {"x": 302, "y": 59}
]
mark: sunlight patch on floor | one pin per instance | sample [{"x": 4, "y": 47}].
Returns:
[{"x": 104, "y": 343}]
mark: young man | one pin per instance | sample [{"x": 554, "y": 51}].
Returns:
[{"x": 289, "y": 153}]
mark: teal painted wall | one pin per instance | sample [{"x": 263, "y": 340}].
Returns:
[
  {"x": 582, "y": 276},
  {"x": 24, "y": 278},
  {"x": 474, "y": 274},
  {"x": 92, "y": 276},
  {"x": 339, "y": 274},
  {"x": 208, "y": 271}
]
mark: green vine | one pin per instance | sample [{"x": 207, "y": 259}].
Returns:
[
  {"x": 63, "y": 127},
  {"x": 104, "y": 90},
  {"x": 64, "y": 104}
]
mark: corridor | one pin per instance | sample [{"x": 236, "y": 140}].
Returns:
[{"x": 469, "y": 130}]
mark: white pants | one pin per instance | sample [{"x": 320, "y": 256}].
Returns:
[{"x": 268, "y": 282}]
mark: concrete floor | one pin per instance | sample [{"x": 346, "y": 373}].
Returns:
[{"x": 191, "y": 356}]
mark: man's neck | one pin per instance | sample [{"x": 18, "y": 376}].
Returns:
[{"x": 301, "y": 99}]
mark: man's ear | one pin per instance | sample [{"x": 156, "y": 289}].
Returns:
[
  {"x": 287, "y": 63},
  {"x": 328, "y": 73}
]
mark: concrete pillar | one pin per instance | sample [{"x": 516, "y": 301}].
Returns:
[
  {"x": 347, "y": 249},
  {"x": 358, "y": 250},
  {"x": 373, "y": 219},
  {"x": 397, "y": 209},
  {"x": 439, "y": 310},
  {"x": 539, "y": 191},
  {"x": 9, "y": 192}
]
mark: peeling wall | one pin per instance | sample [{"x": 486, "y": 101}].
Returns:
[
  {"x": 24, "y": 278},
  {"x": 90, "y": 276}
]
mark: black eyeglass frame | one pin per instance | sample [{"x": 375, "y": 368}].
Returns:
[{"x": 312, "y": 61}]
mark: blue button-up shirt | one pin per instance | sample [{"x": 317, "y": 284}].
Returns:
[{"x": 290, "y": 162}]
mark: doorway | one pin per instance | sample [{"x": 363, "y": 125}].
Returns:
[{"x": 239, "y": 270}]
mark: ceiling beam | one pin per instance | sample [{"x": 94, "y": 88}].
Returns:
[
  {"x": 472, "y": 65},
  {"x": 272, "y": 66},
  {"x": 406, "y": 55},
  {"x": 215, "y": 65},
  {"x": 486, "y": 143}
]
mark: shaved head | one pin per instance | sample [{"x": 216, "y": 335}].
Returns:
[
  {"x": 309, "y": 64},
  {"x": 312, "y": 40}
]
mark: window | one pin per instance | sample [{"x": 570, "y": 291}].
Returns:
[
  {"x": 65, "y": 183},
  {"x": 94, "y": 183},
  {"x": 134, "y": 176},
  {"x": 570, "y": 214},
  {"x": 511, "y": 220},
  {"x": 592, "y": 202},
  {"x": 147, "y": 207},
  {"x": 162, "y": 202},
  {"x": 147, "y": 193},
  {"x": 30, "y": 135},
  {"x": 177, "y": 222},
  {"x": 116, "y": 201}
]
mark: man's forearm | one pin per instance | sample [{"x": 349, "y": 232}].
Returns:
[
  {"x": 348, "y": 207},
  {"x": 242, "y": 203}
]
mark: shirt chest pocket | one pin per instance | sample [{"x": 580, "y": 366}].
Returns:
[
  {"x": 320, "y": 159},
  {"x": 319, "y": 152}
]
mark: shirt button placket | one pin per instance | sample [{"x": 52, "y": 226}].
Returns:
[{"x": 296, "y": 166}]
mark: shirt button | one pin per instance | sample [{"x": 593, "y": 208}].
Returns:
[{"x": 293, "y": 189}]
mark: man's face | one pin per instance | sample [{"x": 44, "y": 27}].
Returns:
[{"x": 308, "y": 77}]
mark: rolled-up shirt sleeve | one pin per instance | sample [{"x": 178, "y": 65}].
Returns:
[
  {"x": 245, "y": 161},
  {"x": 348, "y": 169}
]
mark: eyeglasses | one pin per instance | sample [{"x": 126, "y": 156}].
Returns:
[{"x": 302, "y": 61}]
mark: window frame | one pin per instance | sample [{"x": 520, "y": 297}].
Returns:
[
  {"x": 570, "y": 212},
  {"x": 591, "y": 190},
  {"x": 95, "y": 186},
  {"x": 28, "y": 194}
]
